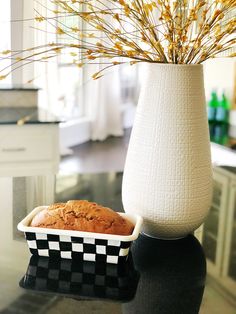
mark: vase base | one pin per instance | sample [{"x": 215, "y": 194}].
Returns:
[{"x": 163, "y": 238}]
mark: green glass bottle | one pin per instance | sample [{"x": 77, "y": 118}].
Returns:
[
  {"x": 222, "y": 111},
  {"x": 212, "y": 106},
  {"x": 220, "y": 133}
]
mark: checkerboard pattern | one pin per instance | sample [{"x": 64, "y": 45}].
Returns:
[
  {"x": 70, "y": 278},
  {"x": 83, "y": 249}
]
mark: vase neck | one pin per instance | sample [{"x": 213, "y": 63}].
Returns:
[{"x": 177, "y": 77}]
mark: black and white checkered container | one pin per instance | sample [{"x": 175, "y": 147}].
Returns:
[
  {"x": 69, "y": 278},
  {"x": 83, "y": 246}
]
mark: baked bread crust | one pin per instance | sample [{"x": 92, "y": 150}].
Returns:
[{"x": 82, "y": 215}]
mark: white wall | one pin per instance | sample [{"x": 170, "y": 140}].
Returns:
[{"x": 219, "y": 74}]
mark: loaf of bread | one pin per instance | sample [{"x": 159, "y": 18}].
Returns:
[{"x": 82, "y": 215}]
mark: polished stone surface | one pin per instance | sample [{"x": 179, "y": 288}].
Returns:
[
  {"x": 29, "y": 115},
  {"x": 164, "y": 277}
]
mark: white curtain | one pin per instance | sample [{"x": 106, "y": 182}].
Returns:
[
  {"x": 102, "y": 100},
  {"x": 46, "y": 73}
]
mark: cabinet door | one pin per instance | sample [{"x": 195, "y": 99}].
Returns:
[
  {"x": 229, "y": 265},
  {"x": 214, "y": 226}
]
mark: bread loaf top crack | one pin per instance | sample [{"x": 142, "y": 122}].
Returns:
[{"x": 82, "y": 215}]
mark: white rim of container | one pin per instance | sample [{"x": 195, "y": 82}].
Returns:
[{"x": 135, "y": 219}]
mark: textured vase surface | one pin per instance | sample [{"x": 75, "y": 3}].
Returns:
[{"x": 168, "y": 175}]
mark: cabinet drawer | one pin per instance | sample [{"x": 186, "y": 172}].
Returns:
[
  {"x": 27, "y": 144},
  {"x": 26, "y": 149}
]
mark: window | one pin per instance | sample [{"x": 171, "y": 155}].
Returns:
[
  {"x": 5, "y": 35},
  {"x": 70, "y": 76}
]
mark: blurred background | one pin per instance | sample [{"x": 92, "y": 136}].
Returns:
[{"x": 88, "y": 110}]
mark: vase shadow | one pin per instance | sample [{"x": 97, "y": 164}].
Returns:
[{"x": 172, "y": 276}]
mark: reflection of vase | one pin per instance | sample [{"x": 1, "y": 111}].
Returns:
[
  {"x": 172, "y": 276},
  {"x": 167, "y": 176}
]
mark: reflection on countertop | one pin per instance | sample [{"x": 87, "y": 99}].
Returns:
[
  {"x": 172, "y": 276},
  {"x": 65, "y": 277},
  {"x": 28, "y": 115}
]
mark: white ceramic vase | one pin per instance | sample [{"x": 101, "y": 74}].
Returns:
[{"x": 168, "y": 175}]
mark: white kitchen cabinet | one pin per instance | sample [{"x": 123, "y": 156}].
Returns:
[
  {"x": 229, "y": 261},
  {"x": 219, "y": 230},
  {"x": 30, "y": 149},
  {"x": 214, "y": 227}
]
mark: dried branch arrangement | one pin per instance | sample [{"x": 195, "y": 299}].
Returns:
[{"x": 119, "y": 31}]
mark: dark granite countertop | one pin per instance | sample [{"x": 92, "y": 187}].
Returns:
[
  {"x": 31, "y": 115},
  {"x": 164, "y": 277},
  {"x": 17, "y": 88}
]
